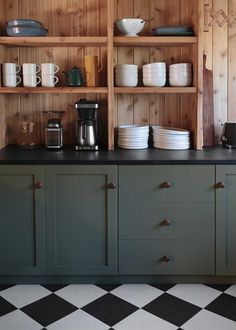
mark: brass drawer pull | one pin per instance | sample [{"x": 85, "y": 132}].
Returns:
[
  {"x": 220, "y": 185},
  {"x": 111, "y": 185},
  {"x": 165, "y": 184},
  {"x": 165, "y": 222},
  {"x": 38, "y": 185},
  {"x": 165, "y": 259}
]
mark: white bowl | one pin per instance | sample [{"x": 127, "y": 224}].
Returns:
[
  {"x": 154, "y": 83},
  {"x": 159, "y": 65},
  {"x": 130, "y": 26},
  {"x": 126, "y": 67},
  {"x": 180, "y": 66},
  {"x": 154, "y": 75},
  {"x": 180, "y": 83}
]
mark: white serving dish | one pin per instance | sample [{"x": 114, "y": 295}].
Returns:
[{"x": 130, "y": 26}]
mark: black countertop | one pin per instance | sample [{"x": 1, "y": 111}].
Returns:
[{"x": 40, "y": 156}]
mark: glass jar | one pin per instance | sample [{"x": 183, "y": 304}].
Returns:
[{"x": 27, "y": 133}]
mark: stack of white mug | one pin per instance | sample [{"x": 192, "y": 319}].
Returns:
[
  {"x": 48, "y": 71},
  {"x": 9, "y": 74},
  {"x": 30, "y": 78}
]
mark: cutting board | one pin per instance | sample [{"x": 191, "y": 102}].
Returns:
[{"x": 208, "y": 106}]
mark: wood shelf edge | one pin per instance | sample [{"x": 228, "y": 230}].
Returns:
[
  {"x": 143, "y": 41},
  {"x": 153, "y": 90},
  {"x": 53, "y": 90}
]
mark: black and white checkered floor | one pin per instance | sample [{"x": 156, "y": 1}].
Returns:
[{"x": 119, "y": 307}]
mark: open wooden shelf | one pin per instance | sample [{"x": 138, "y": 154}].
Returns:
[
  {"x": 53, "y": 41},
  {"x": 153, "y": 90},
  {"x": 54, "y": 90},
  {"x": 144, "y": 41}
]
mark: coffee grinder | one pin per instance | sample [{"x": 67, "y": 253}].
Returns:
[{"x": 86, "y": 135}]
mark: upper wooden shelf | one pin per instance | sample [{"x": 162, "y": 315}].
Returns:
[
  {"x": 144, "y": 41},
  {"x": 155, "y": 90},
  {"x": 53, "y": 41},
  {"x": 53, "y": 90}
]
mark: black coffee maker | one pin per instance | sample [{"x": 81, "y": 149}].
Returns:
[{"x": 86, "y": 135}]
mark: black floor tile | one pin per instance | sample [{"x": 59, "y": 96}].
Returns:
[
  {"x": 110, "y": 309},
  {"x": 54, "y": 287},
  {"x": 49, "y": 309},
  {"x": 224, "y": 305},
  {"x": 5, "y": 307},
  {"x": 220, "y": 287},
  {"x": 5, "y": 286},
  {"x": 163, "y": 287},
  {"x": 172, "y": 309},
  {"x": 108, "y": 287}
]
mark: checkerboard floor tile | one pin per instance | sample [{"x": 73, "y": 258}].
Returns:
[{"x": 118, "y": 307}]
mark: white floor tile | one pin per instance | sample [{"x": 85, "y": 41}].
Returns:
[
  {"x": 137, "y": 294},
  {"x": 17, "y": 320},
  {"x": 206, "y": 320},
  {"x": 22, "y": 295},
  {"x": 142, "y": 320},
  {"x": 197, "y": 294},
  {"x": 231, "y": 290},
  {"x": 78, "y": 320},
  {"x": 80, "y": 294}
]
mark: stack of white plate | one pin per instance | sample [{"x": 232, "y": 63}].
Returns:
[
  {"x": 180, "y": 74},
  {"x": 133, "y": 137},
  {"x": 170, "y": 138},
  {"x": 154, "y": 74},
  {"x": 126, "y": 75}
]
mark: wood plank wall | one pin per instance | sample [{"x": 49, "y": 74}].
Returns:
[{"x": 220, "y": 45}]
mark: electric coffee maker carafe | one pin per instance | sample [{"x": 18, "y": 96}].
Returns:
[{"x": 86, "y": 125}]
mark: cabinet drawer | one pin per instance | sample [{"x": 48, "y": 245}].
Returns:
[
  {"x": 188, "y": 183},
  {"x": 167, "y": 221},
  {"x": 186, "y": 257}
]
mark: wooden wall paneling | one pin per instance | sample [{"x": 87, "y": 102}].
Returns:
[
  {"x": 141, "y": 57},
  {"x": 172, "y": 15},
  {"x": 188, "y": 101},
  {"x": 232, "y": 67},
  {"x": 208, "y": 42},
  {"x": 220, "y": 69},
  {"x": 12, "y": 103},
  {"x": 157, "y": 101},
  {"x": 2, "y": 97},
  {"x": 125, "y": 102},
  {"x": 115, "y": 61}
]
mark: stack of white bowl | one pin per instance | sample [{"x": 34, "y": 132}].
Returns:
[
  {"x": 126, "y": 75},
  {"x": 154, "y": 74},
  {"x": 170, "y": 138},
  {"x": 133, "y": 137},
  {"x": 180, "y": 74}
]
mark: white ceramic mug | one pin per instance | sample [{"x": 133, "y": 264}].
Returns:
[
  {"x": 49, "y": 80},
  {"x": 10, "y": 80},
  {"x": 30, "y": 69},
  {"x": 31, "y": 80},
  {"x": 10, "y": 68},
  {"x": 49, "y": 68}
]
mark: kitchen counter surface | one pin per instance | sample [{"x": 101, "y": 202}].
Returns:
[{"x": 40, "y": 156}]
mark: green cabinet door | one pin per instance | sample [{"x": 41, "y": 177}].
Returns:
[
  {"x": 81, "y": 216},
  {"x": 226, "y": 220},
  {"x": 22, "y": 220}
]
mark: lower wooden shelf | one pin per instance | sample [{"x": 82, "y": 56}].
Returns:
[
  {"x": 153, "y": 90},
  {"x": 53, "y": 90}
]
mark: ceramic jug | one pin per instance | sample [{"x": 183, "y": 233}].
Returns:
[{"x": 74, "y": 78}]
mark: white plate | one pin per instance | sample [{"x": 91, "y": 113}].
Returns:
[
  {"x": 135, "y": 148},
  {"x": 170, "y": 130}
]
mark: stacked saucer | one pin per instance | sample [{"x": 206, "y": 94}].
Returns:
[
  {"x": 170, "y": 138},
  {"x": 154, "y": 74},
  {"x": 180, "y": 74},
  {"x": 126, "y": 75},
  {"x": 133, "y": 137}
]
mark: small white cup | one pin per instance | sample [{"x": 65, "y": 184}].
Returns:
[
  {"x": 10, "y": 80},
  {"x": 30, "y": 69},
  {"x": 49, "y": 68},
  {"x": 49, "y": 80},
  {"x": 10, "y": 68},
  {"x": 31, "y": 80}
]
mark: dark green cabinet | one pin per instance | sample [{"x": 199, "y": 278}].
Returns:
[
  {"x": 167, "y": 220},
  {"x": 81, "y": 215},
  {"x": 226, "y": 220},
  {"x": 22, "y": 220}
]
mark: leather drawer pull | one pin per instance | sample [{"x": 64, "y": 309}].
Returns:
[
  {"x": 220, "y": 185},
  {"x": 165, "y": 184},
  {"x": 111, "y": 185},
  {"x": 165, "y": 259},
  {"x": 38, "y": 185},
  {"x": 165, "y": 222}
]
